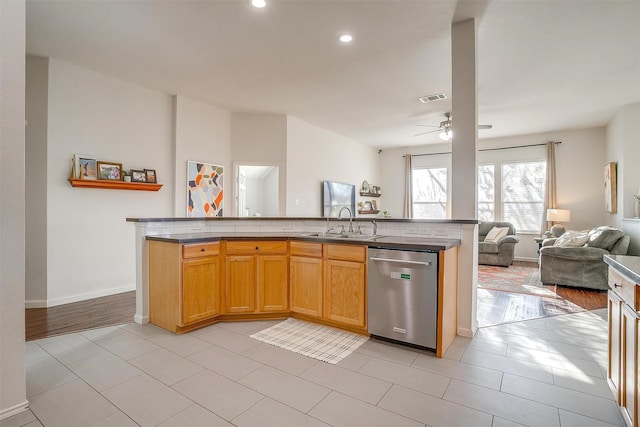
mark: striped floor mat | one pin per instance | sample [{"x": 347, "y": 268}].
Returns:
[{"x": 320, "y": 342}]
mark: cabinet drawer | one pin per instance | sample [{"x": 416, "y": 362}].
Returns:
[
  {"x": 200, "y": 250},
  {"x": 624, "y": 287},
  {"x": 306, "y": 249},
  {"x": 256, "y": 247},
  {"x": 355, "y": 253}
]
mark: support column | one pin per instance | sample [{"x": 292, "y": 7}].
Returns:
[{"x": 464, "y": 185}]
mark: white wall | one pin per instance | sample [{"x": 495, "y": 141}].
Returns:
[
  {"x": 90, "y": 247},
  {"x": 261, "y": 139},
  {"x": 12, "y": 208},
  {"x": 314, "y": 155},
  {"x": 202, "y": 134},
  {"x": 579, "y": 164},
  {"x": 37, "y": 92},
  {"x": 623, "y": 147},
  {"x": 271, "y": 193}
]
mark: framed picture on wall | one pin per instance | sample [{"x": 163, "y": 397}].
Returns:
[
  {"x": 610, "y": 201},
  {"x": 204, "y": 189},
  {"x": 138, "y": 176},
  {"x": 151, "y": 175},
  {"x": 110, "y": 171}
]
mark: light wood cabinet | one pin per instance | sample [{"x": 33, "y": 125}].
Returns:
[
  {"x": 622, "y": 369},
  {"x": 184, "y": 284},
  {"x": 305, "y": 278},
  {"x": 344, "y": 296},
  {"x": 256, "y": 277}
]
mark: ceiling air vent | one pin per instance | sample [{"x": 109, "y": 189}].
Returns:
[{"x": 432, "y": 98}]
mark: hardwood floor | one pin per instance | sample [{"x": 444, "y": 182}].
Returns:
[{"x": 79, "y": 316}]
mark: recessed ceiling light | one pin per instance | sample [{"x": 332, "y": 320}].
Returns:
[
  {"x": 259, "y": 3},
  {"x": 345, "y": 38}
]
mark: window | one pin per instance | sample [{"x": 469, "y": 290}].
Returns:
[
  {"x": 523, "y": 186},
  {"x": 486, "y": 193},
  {"x": 429, "y": 192}
]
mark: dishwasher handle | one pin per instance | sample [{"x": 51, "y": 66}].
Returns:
[{"x": 425, "y": 263}]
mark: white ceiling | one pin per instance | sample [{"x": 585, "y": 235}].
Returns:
[{"x": 542, "y": 65}]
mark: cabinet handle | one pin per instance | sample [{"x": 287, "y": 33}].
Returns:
[
  {"x": 615, "y": 285},
  {"x": 257, "y": 248},
  {"x": 202, "y": 249}
]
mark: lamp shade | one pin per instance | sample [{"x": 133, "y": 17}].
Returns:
[{"x": 558, "y": 215}]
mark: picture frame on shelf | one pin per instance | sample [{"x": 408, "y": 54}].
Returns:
[
  {"x": 374, "y": 205},
  {"x": 368, "y": 206},
  {"x": 138, "y": 175},
  {"x": 374, "y": 189},
  {"x": 365, "y": 187},
  {"x": 85, "y": 166},
  {"x": 151, "y": 175},
  {"x": 109, "y": 171}
]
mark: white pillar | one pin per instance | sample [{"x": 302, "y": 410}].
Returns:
[
  {"x": 463, "y": 160},
  {"x": 13, "y": 395}
]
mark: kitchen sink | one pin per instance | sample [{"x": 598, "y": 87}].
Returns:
[{"x": 345, "y": 236}]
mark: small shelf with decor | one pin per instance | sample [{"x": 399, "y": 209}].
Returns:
[
  {"x": 368, "y": 212},
  {"x": 114, "y": 185},
  {"x": 365, "y": 194}
]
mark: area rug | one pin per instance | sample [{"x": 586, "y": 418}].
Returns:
[
  {"x": 519, "y": 279},
  {"x": 320, "y": 342}
]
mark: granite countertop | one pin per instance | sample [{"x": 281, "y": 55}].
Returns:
[
  {"x": 388, "y": 242},
  {"x": 625, "y": 264},
  {"x": 292, "y": 218}
]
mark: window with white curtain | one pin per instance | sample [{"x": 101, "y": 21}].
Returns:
[
  {"x": 429, "y": 192},
  {"x": 523, "y": 186},
  {"x": 486, "y": 193}
]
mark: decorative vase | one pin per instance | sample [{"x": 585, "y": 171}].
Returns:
[{"x": 127, "y": 178}]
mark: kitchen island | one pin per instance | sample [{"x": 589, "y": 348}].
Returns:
[{"x": 308, "y": 248}]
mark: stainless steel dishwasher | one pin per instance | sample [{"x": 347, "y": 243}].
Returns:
[{"x": 403, "y": 296}]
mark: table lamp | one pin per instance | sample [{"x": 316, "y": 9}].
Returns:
[{"x": 556, "y": 216}]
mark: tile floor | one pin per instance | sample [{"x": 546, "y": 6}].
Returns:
[{"x": 543, "y": 372}]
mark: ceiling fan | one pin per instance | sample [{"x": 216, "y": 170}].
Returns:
[{"x": 445, "y": 128}]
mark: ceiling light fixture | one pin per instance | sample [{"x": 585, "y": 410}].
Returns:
[
  {"x": 258, "y": 3},
  {"x": 445, "y": 135},
  {"x": 345, "y": 38}
]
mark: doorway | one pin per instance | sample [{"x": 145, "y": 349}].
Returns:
[{"x": 257, "y": 190}]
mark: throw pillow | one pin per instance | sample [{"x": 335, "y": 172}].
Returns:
[
  {"x": 604, "y": 237},
  {"x": 496, "y": 233},
  {"x": 574, "y": 239}
]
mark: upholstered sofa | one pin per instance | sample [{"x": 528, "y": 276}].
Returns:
[
  {"x": 498, "y": 252},
  {"x": 576, "y": 258}
]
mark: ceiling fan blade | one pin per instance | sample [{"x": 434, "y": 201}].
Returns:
[
  {"x": 431, "y": 126},
  {"x": 485, "y": 126},
  {"x": 431, "y": 131}
]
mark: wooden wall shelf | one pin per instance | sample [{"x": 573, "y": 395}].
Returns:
[
  {"x": 368, "y": 212},
  {"x": 363, "y": 193},
  {"x": 114, "y": 185}
]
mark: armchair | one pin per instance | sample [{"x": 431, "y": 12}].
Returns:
[
  {"x": 499, "y": 252},
  {"x": 571, "y": 264}
]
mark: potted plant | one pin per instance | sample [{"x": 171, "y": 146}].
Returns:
[{"x": 127, "y": 176}]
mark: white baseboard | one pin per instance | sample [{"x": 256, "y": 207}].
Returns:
[
  {"x": 465, "y": 332},
  {"x": 526, "y": 259},
  {"x": 14, "y": 410},
  {"x": 141, "y": 319},
  {"x": 78, "y": 297}
]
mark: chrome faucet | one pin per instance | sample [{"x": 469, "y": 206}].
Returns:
[
  {"x": 350, "y": 217},
  {"x": 375, "y": 227}
]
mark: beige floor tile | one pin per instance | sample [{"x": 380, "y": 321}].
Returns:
[
  {"x": 22, "y": 419},
  {"x": 146, "y": 400},
  {"x": 249, "y": 327},
  {"x": 387, "y": 351},
  {"x": 229, "y": 340},
  {"x": 269, "y": 413},
  {"x": 569, "y": 419},
  {"x": 354, "y": 361},
  {"x": 104, "y": 371},
  {"x": 286, "y": 388},
  {"x": 195, "y": 416},
  {"x": 103, "y": 333},
  {"x": 509, "y": 407},
  {"x": 127, "y": 345},
  {"x": 406, "y": 376},
  {"x": 72, "y": 404},
  {"x": 218, "y": 394},
  {"x": 145, "y": 331},
  {"x": 506, "y": 364},
  {"x": 527, "y": 341},
  {"x": 579, "y": 352},
  {"x": 592, "y": 406},
  {"x": 71, "y": 348},
  {"x": 474, "y": 374},
  {"x": 225, "y": 362},
  {"x": 554, "y": 360},
  {"x": 353, "y": 384},
  {"x": 33, "y": 351},
  {"x": 182, "y": 345},
  {"x": 46, "y": 373},
  {"x": 501, "y": 422},
  {"x": 494, "y": 347},
  {"x": 339, "y": 410},
  {"x": 119, "y": 419},
  {"x": 280, "y": 358},
  {"x": 431, "y": 410},
  {"x": 581, "y": 382},
  {"x": 166, "y": 366}
]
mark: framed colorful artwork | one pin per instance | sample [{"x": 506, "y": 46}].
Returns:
[
  {"x": 85, "y": 166},
  {"x": 610, "y": 201},
  {"x": 205, "y": 192}
]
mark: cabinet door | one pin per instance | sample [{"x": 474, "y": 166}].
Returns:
[
  {"x": 344, "y": 292},
  {"x": 614, "y": 308},
  {"x": 240, "y": 284},
  {"x": 306, "y": 285},
  {"x": 629, "y": 368},
  {"x": 273, "y": 289},
  {"x": 200, "y": 289}
]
